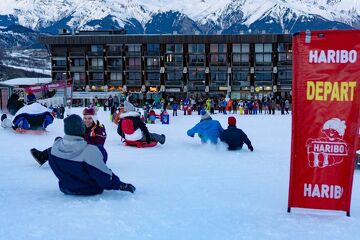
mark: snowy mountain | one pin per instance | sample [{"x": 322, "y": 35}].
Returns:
[{"x": 185, "y": 16}]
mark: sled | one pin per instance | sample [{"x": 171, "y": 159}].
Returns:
[
  {"x": 29, "y": 131},
  {"x": 140, "y": 144}
]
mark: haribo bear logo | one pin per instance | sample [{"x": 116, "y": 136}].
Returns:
[{"x": 330, "y": 149}]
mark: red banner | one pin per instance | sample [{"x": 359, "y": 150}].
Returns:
[{"x": 326, "y": 100}]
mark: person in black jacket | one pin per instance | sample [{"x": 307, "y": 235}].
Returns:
[
  {"x": 132, "y": 128},
  {"x": 14, "y": 104},
  {"x": 235, "y": 137}
]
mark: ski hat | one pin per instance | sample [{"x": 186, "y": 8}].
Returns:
[
  {"x": 204, "y": 115},
  {"x": 90, "y": 112},
  {"x": 74, "y": 126},
  {"x": 128, "y": 107},
  {"x": 232, "y": 121}
]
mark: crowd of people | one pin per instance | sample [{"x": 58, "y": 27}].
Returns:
[{"x": 78, "y": 159}]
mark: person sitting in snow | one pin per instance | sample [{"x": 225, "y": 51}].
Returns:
[
  {"x": 235, "y": 137},
  {"x": 95, "y": 134},
  {"x": 207, "y": 129},
  {"x": 30, "y": 117},
  {"x": 79, "y": 166},
  {"x": 131, "y": 127},
  {"x": 14, "y": 104}
]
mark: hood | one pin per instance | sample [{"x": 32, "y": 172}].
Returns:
[
  {"x": 130, "y": 114},
  {"x": 68, "y": 147}
]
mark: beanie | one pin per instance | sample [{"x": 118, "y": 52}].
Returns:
[
  {"x": 90, "y": 112},
  {"x": 128, "y": 107},
  {"x": 232, "y": 121},
  {"x": 74, "y": 125},
  {"x": 204, "y": 115}
]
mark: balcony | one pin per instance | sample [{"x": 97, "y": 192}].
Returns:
[
  {"x": 171, "y": 83},
  {"x": 152, "y": 83},
  {"x": 114, "y": 68},
  {"x": 96, "y": 82},
  {"x": 115, "y": 82},
  {"x": 133, "y": 67},
  {"x": 137, "y": 53},
  {"x": 77, "y": 54},
  {"x": 79, "y": 83},
  {"x": 96, "y": 68},
  {"x": 133, "y": 82},
  {"x": 58, "y": 68},
  {"x": 77, "y": 68},
  {"x": 114, "y": 54},
  {"x": 95, "y": 54}
]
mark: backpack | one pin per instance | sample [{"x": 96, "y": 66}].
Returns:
[{"x": 127, "y": 126}]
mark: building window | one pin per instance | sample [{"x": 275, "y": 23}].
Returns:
[
  {"x": 97, "y": 62},
  {"x": 153, "y": 49},
  {"x": 115, "y": 48},
  {"x": 174, "y": 48},
  {"x": 60, "y": 76},
  {"x": 174, "y": 76},
  {"x": 240, "y": 76},
  {"x": 241, "y": 48},
  {"x": 134, "y": 62},
  {"x": 134, "y": 76},
  {"x": 263, "y": 76},
  {"x": 196, "y": 48},
  {"x": 78, "y": 62},
  {"x": 79, "y": 78},
  {"x": 115, "y": 62},
  {"x": 97, "y": 76},
  {"x": 116, "y": 76},
  {"x": 285, "y": 76},
  {"x": 240, "y": 55},
  {"x": 263, "y": 53},
  {"x": 97, "y": 48},
  {"x": 284, "y": 53},
  {"x": 218, "y": 76},
  {"x": 60, "y": 62},
  {"x": 153, "y": 76},
  {"x": 134, "y": 47},
  {"x": 153, "y": 62},
  {"x": 197, "y": 75}
]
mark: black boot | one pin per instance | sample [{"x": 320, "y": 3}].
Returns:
[
  {"x": 162, "y": 139},
  {"x": 39, "y": 156},
  {"x": 3, "y": 117}
]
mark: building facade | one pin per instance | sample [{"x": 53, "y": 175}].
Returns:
[{"x": 237, "y": 65}]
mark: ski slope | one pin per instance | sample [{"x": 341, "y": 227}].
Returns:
[{"x": 185, "y": 190}]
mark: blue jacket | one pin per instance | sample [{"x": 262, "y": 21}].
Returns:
[
  {"x": 81, "y": 168},
  {"x": 235, "y": 138},
  {"x": 208, "y": 130}
]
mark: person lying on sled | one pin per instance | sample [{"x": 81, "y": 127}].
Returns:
[
  {"x": 30, "y": 117},
  {"x": 133, "y": 129}
]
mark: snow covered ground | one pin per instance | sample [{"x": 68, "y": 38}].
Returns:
[{"x": 185, "y": 190}]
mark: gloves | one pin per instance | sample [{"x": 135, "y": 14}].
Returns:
[
  {"x": 251, "y": 148},
  {"x": 127, "y": 187}
]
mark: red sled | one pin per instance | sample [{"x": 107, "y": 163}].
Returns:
[
  {"x": 29, "y": 131},
  {"x": 140, "y": 144}
]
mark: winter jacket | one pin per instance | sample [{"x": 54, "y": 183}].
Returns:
[
  {"x": 14, "y": 104},
  {"x": 96, "y": 134},
  {"x": 32, "y": 117},
  {"x": 81, "y": 168},
  {"x": 208, "y": 130},
  {"x": 235, "y": 138},
  {"x": 138, "y": 126}
]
